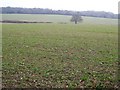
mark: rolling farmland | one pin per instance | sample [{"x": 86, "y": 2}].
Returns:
[
  {"x": 59, "y": 54},
  {"x": 57, "y": 19}
]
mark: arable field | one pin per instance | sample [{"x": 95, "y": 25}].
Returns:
[
  {"x": 60, "y": 19},
  {"x": 60, "y": 55}
]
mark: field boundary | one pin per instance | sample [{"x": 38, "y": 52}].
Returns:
[{"x": 11, "y": 21}]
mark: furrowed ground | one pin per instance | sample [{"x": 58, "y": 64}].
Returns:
[{"x": 59, "y": 55}]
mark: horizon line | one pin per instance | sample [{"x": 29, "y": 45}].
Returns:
[{"x": 58, "y": 9}]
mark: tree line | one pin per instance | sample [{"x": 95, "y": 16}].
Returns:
[{"x": 16, "y": 10}]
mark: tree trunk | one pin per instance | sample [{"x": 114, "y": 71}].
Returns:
[{"x": 75, "y": 22}]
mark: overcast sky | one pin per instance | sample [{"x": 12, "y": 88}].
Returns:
[{"x": 77, "y": 5}]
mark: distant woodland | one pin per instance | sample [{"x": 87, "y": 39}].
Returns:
[{"x": 16, "y": 10}]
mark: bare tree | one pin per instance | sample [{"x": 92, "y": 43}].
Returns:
[{"x": 76, "y": 18}]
